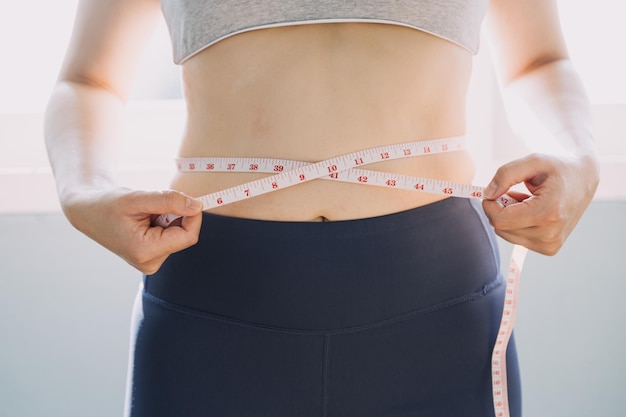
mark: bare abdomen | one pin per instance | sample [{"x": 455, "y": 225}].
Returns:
[{"x": 317, "y": 91}]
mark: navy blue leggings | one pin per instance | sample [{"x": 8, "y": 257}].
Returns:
[{"x": 388, "y": 316}]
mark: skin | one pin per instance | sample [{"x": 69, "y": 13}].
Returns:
[{"x": 312, "y": 92}]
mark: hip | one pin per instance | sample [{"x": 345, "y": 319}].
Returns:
[{"x": 333, "y": 275}]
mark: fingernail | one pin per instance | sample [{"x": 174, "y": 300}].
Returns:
[
  {"x": 490, "y": 191},
  {"x": 193, "y": 204}
]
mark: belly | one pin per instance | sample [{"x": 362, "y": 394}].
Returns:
[{"x": 313, "y": 92}]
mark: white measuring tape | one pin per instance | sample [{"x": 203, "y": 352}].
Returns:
[{"x": 347, "y": 168}]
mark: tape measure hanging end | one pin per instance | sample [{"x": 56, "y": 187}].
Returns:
[{"x": 509, "y": 313}]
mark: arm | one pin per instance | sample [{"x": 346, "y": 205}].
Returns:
[
  {"x": 534, "y": 69},
  {"x": 81, "y": 129}
]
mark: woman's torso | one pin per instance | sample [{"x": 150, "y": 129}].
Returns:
[{"x": 312, "y": 92}]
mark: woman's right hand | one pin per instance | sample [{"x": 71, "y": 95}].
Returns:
[{"x": 122, "y": 221}]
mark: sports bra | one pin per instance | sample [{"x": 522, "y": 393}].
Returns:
[{"x": 195, "y": 25}]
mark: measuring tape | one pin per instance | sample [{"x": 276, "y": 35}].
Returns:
[
  {"x": 347, "y": 168},
  {"x": 509, "y": 313}
]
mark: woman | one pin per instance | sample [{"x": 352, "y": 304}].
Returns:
[{"x": 325, "y": 298}]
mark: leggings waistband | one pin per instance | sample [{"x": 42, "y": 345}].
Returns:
[{"x": 333, "y": 275}]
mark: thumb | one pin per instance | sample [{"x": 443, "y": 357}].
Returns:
[
  {"x": 530, "y": 170},
  {"x": 160, "y": 202}
]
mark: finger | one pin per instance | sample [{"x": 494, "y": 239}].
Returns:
[
  {"x": 156, "y": 244},
  {"x": 159, "y": 202},
  {"x": 151, "y": 267},
  {"x": 174, "y": 239},
  {"x": 526, "y": 213},
  {"x": 514, "y": 238},
  {"x": 519, "y": 197},
  {"x": 529, "y": 240},
  {"x": 531, "y": 170}
]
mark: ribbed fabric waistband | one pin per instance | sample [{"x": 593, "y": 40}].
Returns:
[{"x": 333, "y": 275}]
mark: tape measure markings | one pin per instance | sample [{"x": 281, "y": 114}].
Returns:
[
  {"x": 353, "y": 175},
  {"x": 509, "y": 314},
  {"x": 271, "y": 165},
  {"x": 311, "y": 171}
]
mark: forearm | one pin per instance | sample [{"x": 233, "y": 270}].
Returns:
[
  {"x": 561, "y": 180},
  {"x": 548, "y": 107},
  {"x": 82, "y": 128},
  {"x": 82, "y": 125}
]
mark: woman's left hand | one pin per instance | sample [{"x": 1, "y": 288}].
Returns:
[{"x": 561, "y": 189}]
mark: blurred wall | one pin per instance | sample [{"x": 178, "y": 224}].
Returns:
[{"x": 65, "y": 304}]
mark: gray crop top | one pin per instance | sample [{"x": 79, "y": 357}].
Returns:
[{"x": 197, "y": 24}]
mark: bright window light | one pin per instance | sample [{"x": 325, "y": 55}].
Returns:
[
  {"x": 595, "y": 33},
  {"x": 34, "y": 35}
]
